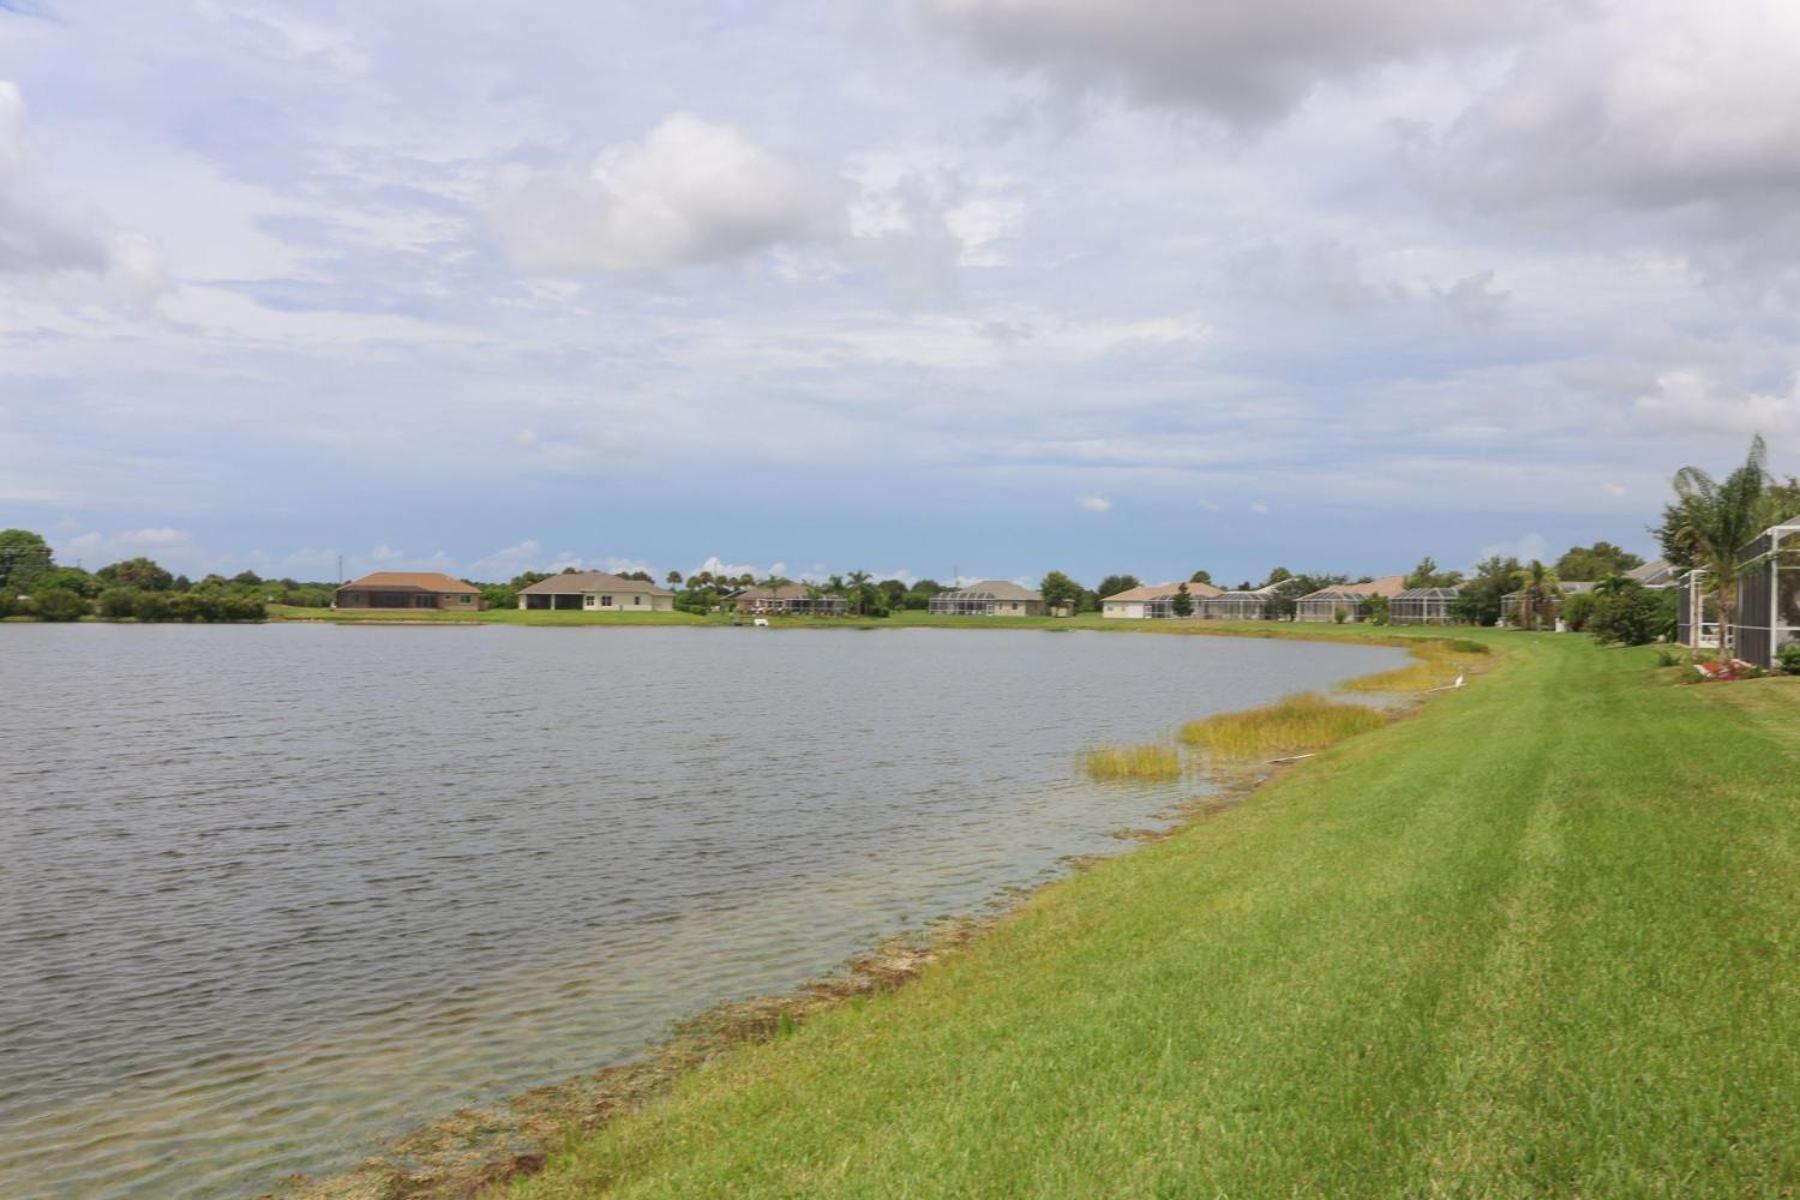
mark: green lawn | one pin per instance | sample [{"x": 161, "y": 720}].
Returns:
[{"x": 1536, "y": 941}]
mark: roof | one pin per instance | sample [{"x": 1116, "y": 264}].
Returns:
[
  {"x": 1437, "y": 593},
  {"x": 409, "y": 581},
  {"x": 785, "y": 591},
  {"x": 1262, "y": 593},
  {"x": 1654, "y": 574},
  {"x": 1162, "y": 591},
  {"x": 995, "y": 589},
  {"x": 1387, "y": 585},
  {"x": 577, "y": 582}
]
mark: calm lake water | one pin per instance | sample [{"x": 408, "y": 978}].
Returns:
[{"x": 271, "y": 894}]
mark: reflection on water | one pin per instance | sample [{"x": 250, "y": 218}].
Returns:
[{"x": 270, "y": 894}]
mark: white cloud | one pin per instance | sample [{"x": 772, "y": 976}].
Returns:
[
  {"x": 718, "y": 566},
  {"x": 1258, "y": 507},
  {"x": 1614, "y": 489},
  {"x": 61, "y": 248},
  {"x": 385, "y": 553},
  {"x": 1692, "y": 401},
  {"x": 1245, "y": 64},
  {"x": 94, "y": 549},
  {"x": 690, "y": 191},
  {"x": 1094, "y": 504}
]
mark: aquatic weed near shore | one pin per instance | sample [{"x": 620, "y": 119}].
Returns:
[
  {"x": 1152, "y": 762},
  {"x": 1304, "y": 722}
]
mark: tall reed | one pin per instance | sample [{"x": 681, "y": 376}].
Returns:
[
  {"x": 1304, "y": 722},
  {"x": 1152, "y": 762}
]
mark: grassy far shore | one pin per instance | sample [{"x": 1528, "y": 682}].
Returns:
[{"x": 1536, "y": 940}]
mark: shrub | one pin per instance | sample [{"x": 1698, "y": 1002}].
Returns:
[
  {"x": 1578, "y": 610},
  {"x": 58, "y": 604},
  {"x": 8, "y": 605},
  {"x": 118, "y": 603},
  {"x": 1789, "y": 658},
  {"x": 153, "y": 606},
  {"x": 1339, "y": 615},
  {"x": 1633, "y": 617}
]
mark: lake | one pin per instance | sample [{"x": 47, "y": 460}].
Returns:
[{"x": 270, "y": 894}]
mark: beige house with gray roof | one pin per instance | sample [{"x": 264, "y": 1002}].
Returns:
[
  {"x": 596, "y": 591},
  {"x": 989, "y": 598},
  {"x": 1153, "y": 600}
]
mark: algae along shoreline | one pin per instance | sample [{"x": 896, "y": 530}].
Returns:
[
  {"x": 1534, "y": 941},
  {"x": 1362, "y": 961}
]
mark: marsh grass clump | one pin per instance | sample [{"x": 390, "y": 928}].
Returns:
[
  {"x": 1151, "y": 763},
  {"x": 1303, "y": 722},
  {"x": 1435, "y": 664}
]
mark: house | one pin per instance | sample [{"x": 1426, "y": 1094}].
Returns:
[
  {"x": 1768, "y": 595},
  {"x": 989, "y": 598},
  {"x": 1422, "y": 606},
  {"x": 596, "y": 591},
  {"x": 1238, "y": 606},
  {"x": 409, "y": 589},
  {"x": 1509, "y": 603},
  {"x": 1153, "y": 600},
  {"x": 1326, "y": 603},
  {"x": 790, "y": 599}
]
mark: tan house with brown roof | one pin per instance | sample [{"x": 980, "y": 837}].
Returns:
[
  {"x": 1153, "y": 600},
  {"x": 409, "y": 589},
  {"x": 596, "y": 591}
]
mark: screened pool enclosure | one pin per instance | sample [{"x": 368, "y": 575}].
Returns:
[
  {"x": 1768, "y": 599},
  {"x": 1422, "y": 606}
]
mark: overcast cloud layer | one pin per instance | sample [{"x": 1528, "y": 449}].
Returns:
[{"x": 994, "y": 285}]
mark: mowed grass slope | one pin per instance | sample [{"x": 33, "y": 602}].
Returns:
[{"x": 1536, "y": 941}]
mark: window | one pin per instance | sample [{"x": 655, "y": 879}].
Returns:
[
  {"x": 638, "y": 599},
  {"x": 606, "y": 602}
]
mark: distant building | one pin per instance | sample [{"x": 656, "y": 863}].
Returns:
[
  {"x": 1250, "y": 605},
  {"x": 1153, "y": 601},
  {"x": 1422, "y": 606},
  {"x": 1509, "y": 603},
  {"x": 786, "y": 599},
  {"x": 989, "y": 598},
  {"x": 409, "y": 589},
  {"x": 596, "y": 591},
  {"x": 1768, "y": 599},
  {"x": 1326, "y": 603}
]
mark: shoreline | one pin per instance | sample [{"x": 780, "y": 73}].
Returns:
[{"x": 474, "y": 1149}]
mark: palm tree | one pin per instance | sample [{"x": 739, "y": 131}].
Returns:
[
  {"x": 1540, "y": 591},
  {"x": 1613, "y": 585},
  {"x": 857, "y": 581},
  {"x": 1711, "y": 521},
  {"x": 673, "y": 578}
]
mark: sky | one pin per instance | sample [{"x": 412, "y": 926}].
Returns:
[{"x": 976, "y": 286}]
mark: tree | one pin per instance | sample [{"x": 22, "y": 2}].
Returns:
[
  {"x": 1710, "y": 520},
  {"x": 24, "y": 556},
  {"x": 67, "y": 579},
  {"x": 1540, "y": 594},
  {"x": 525, "y": 579},
  {"x": 1059, "y": 590},
  {"x": 1479, "y": 601},
  {"x": 1587, "y": 563},
  {"x": 1278, "y": 575},
  {"x": 1112, "y": 585},
  {"x": 1427, "y": 575},
  {"x": 857, "y": 581},
  {"x": 1201, "y": 577},
  {"x": 1183, "y": 603},
  {"x": 245, "y": 578},
  {"x": 142, "y": 573},
  {"x": 1612, "y": 585},
  {"x": 673, "y": 579}
]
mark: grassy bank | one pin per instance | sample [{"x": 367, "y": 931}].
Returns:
[{"x": 1534, "y": 941}]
